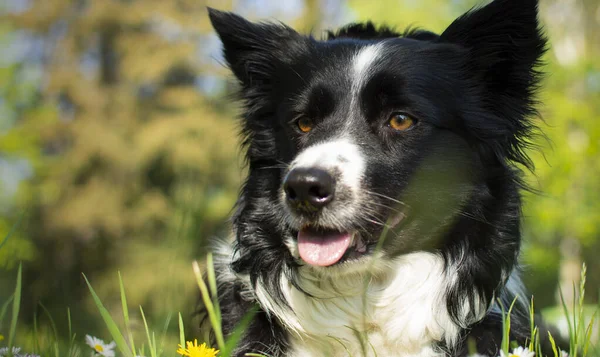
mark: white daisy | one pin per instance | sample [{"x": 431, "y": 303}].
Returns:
[
  {"x": 4, "y": 351},
  {"x": 564, "y": 353},
  {"x": 100, "y": 347},
  {"x": 519, "y": 352}
]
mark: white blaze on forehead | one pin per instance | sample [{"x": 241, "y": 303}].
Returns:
[
  {"x": 361, "y": 63},
  {"x": 339, "y": 155}
]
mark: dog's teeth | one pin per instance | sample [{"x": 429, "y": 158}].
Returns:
[{"x": 361, "y": 247}]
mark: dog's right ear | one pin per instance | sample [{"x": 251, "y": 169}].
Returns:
[{"x": 253, "y": 50}]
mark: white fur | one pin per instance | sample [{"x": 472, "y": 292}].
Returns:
[
  {"x": 337, "y": 155},
  {"x": 361, "y": 64},
  {"x": 345, "y": 161},
  {"x": 403, "y": 312}
]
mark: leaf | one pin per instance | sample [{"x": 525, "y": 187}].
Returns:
[
  {"x": 554, "y": 349},
  {"x": 181, "y": 332},
  {"x": 126, "y": 314},
  {"x": 566, "y": 312},
  {"x": 164, "y": 332},
  {"x": 212, "y": 315},
  {"x": 110, "y": 323},
  {"x": 15, "y": 309},
  {"x": 152, "y": 346},
  {"x": 5, "y": 308},
  {"x": 236, "y": 335},
  {"x": 12, "y": 229}
]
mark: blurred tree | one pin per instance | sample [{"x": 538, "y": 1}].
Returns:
[
  {"x": 562, "y": 222},
  {"x": 19, "y": 145},
  {"x": 129, "y": 148}
]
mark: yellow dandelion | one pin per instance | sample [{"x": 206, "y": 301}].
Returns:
[
  {"x": 195, "y": 350},
  {"x": 1, "y": 337}
]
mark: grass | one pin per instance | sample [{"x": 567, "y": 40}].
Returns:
[{"x": 580, "y": 329}]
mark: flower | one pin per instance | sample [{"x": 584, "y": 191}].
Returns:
[
  {"x": 100, "y": 347},
  {"x": 15, "y": 352},
  {"x": 193, "y": 350},
  {"x": 1, "y": 337},
  {"x": 4, "y": 351},
  {"x": 564, "y": 353},
  {"x": 519, "y": 352}
]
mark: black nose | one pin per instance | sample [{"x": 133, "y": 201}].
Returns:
[{"x": 309, "y": 188}]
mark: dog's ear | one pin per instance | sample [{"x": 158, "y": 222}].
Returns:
[
  {"x": 503, "y": 45},
  {"x": 503, "y": 38},
  {"x": 253, "y": 50}
]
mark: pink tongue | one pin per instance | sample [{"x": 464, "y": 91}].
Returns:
[{"x": 322, "y": 249}]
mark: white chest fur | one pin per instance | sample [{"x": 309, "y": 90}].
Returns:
[{"x": 399, "y": 311}]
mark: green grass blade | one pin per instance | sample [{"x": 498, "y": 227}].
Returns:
[
  {"x": 212, "y": 315},
  {"x": 212, "y": 284},
  {"x": 251, "y": 354},
  {"x": 554, "y": 349},
  {"x": 588, "y": 334},
  {"x": 36, "y": 341},
  {"x": 504, "y": 344},
  {"x": 360, "y": 338},
  {"x": 581, "y": 325},
  {"x": 373, "y": 348},
  {"x": 125, "y": 309},
  {"x": 341, "y": 343},
  {"x": 238, "y": 332},
  {"x": 152, "y": 347},
  {"x": 532, "y": 326},
  {"x": 110, "y": 323},
  {"x": 71, "y": 336},
  {"x": 575, "y": 324},
  {"x": 566, "y": 312},
  {"x": 164, "y": 332},
  {"x": 181, "y": 332},
  {"x": 54, "y": 344},
  {"x": 13, "y": 229},
  {"x": 4, "y": 308},
  {"x": 506, "y": 324},
  {"x": 15, "y": 309},
  {"x": 156, "y": 351},
  {"x": 52, "y": 323},
  {"x": 534, "y": 344},
  {"x": 471, "y": 346}
]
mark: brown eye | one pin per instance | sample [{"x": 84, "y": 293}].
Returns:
[
  {"x": 305, "y": 124},
  {"x": 401, "y": 122}
]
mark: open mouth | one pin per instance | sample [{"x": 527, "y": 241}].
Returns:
[{"x": 324, "y": 247}]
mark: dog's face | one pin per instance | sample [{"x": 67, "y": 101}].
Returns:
[
  {"x": 363, "y": 132},
  {"x": 376, "y": 139}
]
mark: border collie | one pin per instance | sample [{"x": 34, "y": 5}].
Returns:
[{"x": 381, "y": 211}]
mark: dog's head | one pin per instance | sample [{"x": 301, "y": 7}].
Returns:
[{"x": 375, "y": 138}]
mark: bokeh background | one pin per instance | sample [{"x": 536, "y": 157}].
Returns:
[{"x": 119, "y": 147}]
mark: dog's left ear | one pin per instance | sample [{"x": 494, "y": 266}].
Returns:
[
  {"x": 504, "y": 41},
  {"x": 503, "y": 46},
  {"x": 253, "y": 50}
]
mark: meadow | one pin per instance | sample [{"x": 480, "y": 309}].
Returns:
[{"x": 120, "y": 161}]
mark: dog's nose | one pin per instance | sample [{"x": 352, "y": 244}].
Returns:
[{"x": 309, "y": 188}]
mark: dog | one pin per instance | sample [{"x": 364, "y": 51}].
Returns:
[{"x": 381, "y": 211}]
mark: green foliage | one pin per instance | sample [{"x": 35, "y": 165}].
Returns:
[{"x": 132, "y": 168}]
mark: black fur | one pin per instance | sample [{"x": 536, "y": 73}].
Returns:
[{"x": 472, "y": 89}]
